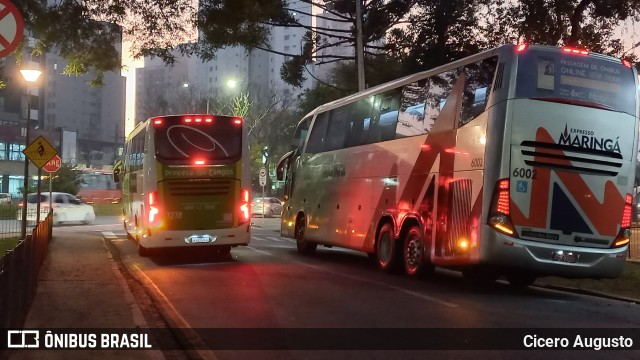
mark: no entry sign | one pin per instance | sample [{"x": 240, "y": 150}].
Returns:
[{"x": 11, "y": 27}]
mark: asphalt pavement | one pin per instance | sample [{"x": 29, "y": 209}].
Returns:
[{"x": 81, "y": 286}]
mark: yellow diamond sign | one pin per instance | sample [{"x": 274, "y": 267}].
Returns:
[{"x": 40, "y": 151}]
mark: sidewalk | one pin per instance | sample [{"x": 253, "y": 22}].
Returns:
[{"x": 80, "y": 286}]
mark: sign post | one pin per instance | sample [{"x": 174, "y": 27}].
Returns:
[
  {"x": 262, "y": 177},
  {"x": 52, "y": 166},
  {"x": 39, "y": 152}
]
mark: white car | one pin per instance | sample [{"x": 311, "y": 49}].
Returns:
[
  {"x": 269, "y": 206},
  {"x": 66, "y": 208}
]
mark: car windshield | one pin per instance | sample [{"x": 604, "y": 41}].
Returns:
[{"x": 33, "y": 198}]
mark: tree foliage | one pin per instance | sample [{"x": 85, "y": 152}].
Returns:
[{"x": 421, "y": 33}]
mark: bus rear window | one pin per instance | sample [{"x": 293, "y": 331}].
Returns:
[
  {"x": 180, "y": 142},
  {"x": 578, "y": 79}
]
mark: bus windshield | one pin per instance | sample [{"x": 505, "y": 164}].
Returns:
[
  {"x": 181, "y": 139},
  {"x": 576, "y": 79}
]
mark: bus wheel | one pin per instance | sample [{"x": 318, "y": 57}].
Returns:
[
  {"x": 520, "y": 279},
  {"x": 386, "y": 249},
  {"x": 415, "y": 264},
  {"x": 142, "y": 251},
  {"x": 304, "y": 246}
]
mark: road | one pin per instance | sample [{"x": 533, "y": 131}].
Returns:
[{"x": 267, "y": 285}]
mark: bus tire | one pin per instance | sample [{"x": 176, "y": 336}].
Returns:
[
  {"x": 415, "y": 263},
  {"x": 304, "y": 246},
  {"x": 387, "y": 249},
  {"x": 520, "y": 279},
  {"x": 143, "y": 251}
]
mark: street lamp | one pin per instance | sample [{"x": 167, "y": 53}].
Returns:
[{"x": 31, "y": 76}]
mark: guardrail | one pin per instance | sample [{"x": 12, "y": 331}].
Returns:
[{"x": 19, "y": 269}]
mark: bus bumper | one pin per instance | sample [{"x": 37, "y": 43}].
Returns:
[
  {"x": 538, "y": 258},
  {"x": 212, "y": 237}
]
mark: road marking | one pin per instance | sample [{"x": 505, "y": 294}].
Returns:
[
  {"x": 358, "y": 278},
  {"x": 274, "y": 238},
  {"x": 109, "y": 235}
]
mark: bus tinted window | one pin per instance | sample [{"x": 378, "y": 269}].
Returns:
[
  {"x": 358, "y": 126},
  {"x": 337, "y": 128},
  {"x": 478, "y": 79},
  {"x": 546, "y": 74},
  {"x": 318, "y": 131},
  {"x": 385, "y": 109},
  {"x": 183, "y": 142},
  {"x": 411, "y": 117}
]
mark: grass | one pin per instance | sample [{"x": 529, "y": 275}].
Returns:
[
  {"x": 7, "y": 244},
  {"x": 627, "y": 285},
  {"x": 107, "y": 209}
]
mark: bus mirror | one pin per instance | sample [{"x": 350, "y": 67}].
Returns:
[
  {"x": 117, "y": 169},
  {"x": 282, "y": 163}
]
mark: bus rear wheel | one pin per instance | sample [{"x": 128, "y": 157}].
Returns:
[
  {"x": 415, "y": 263},
  {"x": 142, "y": 251},
  {"x": 387, "y": 249},
  {"x": 304, "y": 246}
]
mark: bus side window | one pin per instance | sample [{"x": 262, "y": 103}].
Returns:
[
  {"x": 358, "y": 126},
  {"x": 411, "y": 120},
  {"x": 479, "y": 77},
  {"x": 337, "y": 131},
  {"x": 385, "y": 110},
  {"x": 318, "y": 131},
  {"x": 440, "y": 87}
]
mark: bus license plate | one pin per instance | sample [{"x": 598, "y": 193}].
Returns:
[
  {"x": 567, "y": 257},
  {"x": 195, "y": 239}
]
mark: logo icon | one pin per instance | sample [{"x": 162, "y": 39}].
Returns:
[{"x": 21, "y": 339}]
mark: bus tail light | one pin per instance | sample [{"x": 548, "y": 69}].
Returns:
[
  {"x": 154, "y": 209},
  {"x": 237, "y": 121},
  {"x": 521, "y": 47},
  {"x": 244, "y": 207},
  {"x": 573, "y": 50},
  {"x": 624, "y": 235},
  {"x": 626, "y": 63},
  {"x": 499, "y": 216}
]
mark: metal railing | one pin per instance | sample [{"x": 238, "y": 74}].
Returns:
[{"x": 19, "y": 269}]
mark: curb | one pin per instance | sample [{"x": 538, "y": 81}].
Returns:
[{"x": 589, "y": 292}]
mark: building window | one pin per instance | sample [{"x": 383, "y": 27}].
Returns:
[
  {"x": 3, "y": 151},
  {"x": 286, "y": 48},
  {"x": 15, "y": 152},
  {"x": 286, "y": 37}
]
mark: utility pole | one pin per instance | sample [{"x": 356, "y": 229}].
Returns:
[{"x": 359, "y": 46}]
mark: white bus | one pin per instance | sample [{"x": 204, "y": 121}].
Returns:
[
  {"x": 517, "y": 162},
  {"x": 185, "y": 182}
]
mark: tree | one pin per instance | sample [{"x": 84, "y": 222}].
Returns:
[
  {"x": 67, "y": 179},
  {"x": 589, "y": 23}
]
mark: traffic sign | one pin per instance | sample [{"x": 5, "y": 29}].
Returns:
[
  {"x": 40, "y": 151},
  {"x": 53, "y": 165},
  {"x": 262, "y": 176},
  {"x": 11, "y": 27}
]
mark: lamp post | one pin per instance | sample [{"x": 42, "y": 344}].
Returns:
[{"x": 30, "y": 75}]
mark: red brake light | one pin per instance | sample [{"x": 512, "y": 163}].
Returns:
[
  {"x": 573, "y": 50},
  {"x": 237, "y": 121},
  {"x": 521, "y": 47},
  {"x": 626, "y": 214},
  {"x": 208, "y": 120},
  {"x": 244, "y": 206},
  {"x": 157, "y": 121},
  {"x": 499, "y": 217},
  {"x": 626, "y": 63},
  {"x": 198, "y": 162},
  {"x": 502, "y": 205},
  {"x": 198, "y": 120},
  {"x": 154, "y": 208},
  {"x": 187, "y": 120}
]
